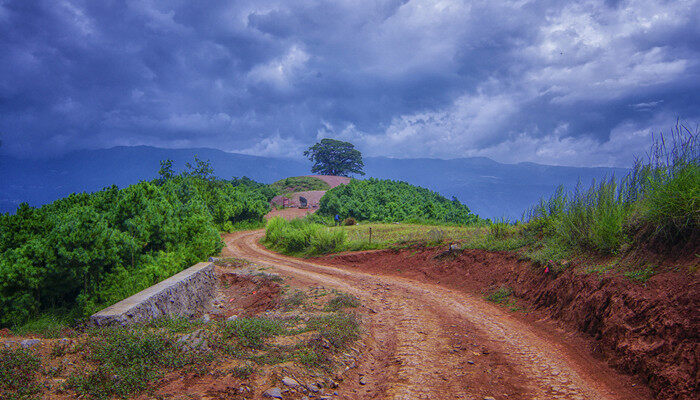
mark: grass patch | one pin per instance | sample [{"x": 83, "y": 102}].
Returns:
[
  {"x": 339, "y": 329},
  {"x": 252, "y": 332},
  {"x": 294, "y": 300},
  {"x": 640, "y": 275},
  {"x": 342, "y": 300},
  {"x": 500, "y": 295},
  {"x": 49, "y": 325},
  {"x": 243, "y": 371},
  {"x": 128, "y": 362},
  {"x": 18, "y": 369}
]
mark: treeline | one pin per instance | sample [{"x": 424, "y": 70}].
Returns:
[
  {"x": 86, "y": 251},
  {"x": 393, "y": 201}
]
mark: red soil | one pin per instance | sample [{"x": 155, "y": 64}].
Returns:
[
  {"x": 650, "y": 330},
  {"x": 332, "y": 180}
]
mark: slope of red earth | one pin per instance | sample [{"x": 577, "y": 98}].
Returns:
[
  {"x": 646, "y": 329},
  {"x": 332, "y": 180}
]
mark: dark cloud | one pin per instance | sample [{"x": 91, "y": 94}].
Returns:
[{"x": 582, "y": 83}]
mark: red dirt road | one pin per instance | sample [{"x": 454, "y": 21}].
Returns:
[{"x": 426, "y": 341}]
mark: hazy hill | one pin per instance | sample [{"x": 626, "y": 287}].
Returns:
[{"x": 489, "y": 188}]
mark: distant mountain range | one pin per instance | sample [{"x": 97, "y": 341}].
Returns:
[{"x": 489, "y": 188}]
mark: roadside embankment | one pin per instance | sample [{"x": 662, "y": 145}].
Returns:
[
  {"x": 185, "y": 293},
  {"x": 648, "y": 329}
]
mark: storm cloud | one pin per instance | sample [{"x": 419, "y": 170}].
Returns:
[{"x": 568, "y": 83}]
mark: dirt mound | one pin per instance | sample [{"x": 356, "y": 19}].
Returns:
[
  {"x": 648, "y": 329},
  {"x": 332, "y": 180}
]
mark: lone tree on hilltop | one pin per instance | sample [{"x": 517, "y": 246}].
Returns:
[{"x": 334, "y": 157}]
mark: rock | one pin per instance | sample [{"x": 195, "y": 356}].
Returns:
[
  {"x": 363, "y": 381},
  {"x": 313, "y": 388},
  {"x": 275, "y": 393},
  {"x": 470, "y": 362},
  {"x": 232, "y": 318},
  {"x": 206, "y": 318},
  {"x": 9, "y": 343},
  {"x": 489, "y": 398},
  {"x": 290, "y": 382},
  {"x": 28, "y": 343}
]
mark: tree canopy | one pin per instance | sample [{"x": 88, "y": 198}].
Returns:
[{"x": 335, "y": 157}]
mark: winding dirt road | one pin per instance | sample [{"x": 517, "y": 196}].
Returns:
[{"x": 425, "y": 341}]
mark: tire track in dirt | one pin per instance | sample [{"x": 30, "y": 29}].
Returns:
[{"x": 414, "y": 328}]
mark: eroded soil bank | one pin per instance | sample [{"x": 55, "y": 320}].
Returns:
[{"x": 648, "y": 329}]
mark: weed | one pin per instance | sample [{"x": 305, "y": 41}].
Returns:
[
  {"x": 499, "y": 295},
  {"x": 309, "y": 356},
  {"x": 342, "y": 300},
  {"x": 295, "y": 300},
  {"x": 48, "y": 325},
  {"x": 640, "y": 275},
  {"x": 339, "y": 329},
  {"x": 252, "y": 332},
  {"x": 18, "y": 370},
  {"x": 243, "y": 371},
  {"x": 598, "y": 269},
  {"x": 128, "y": 362}
]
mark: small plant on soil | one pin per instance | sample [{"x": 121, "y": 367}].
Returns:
[
  {"x": 18, "y": 370},
  {"x": 342, "y": 300},
  {"x": 338, "y": 329},
  {"x": 243, "y": 371},
  {"x": 252, "y": 332},
  {"x": 500, "y": 295},
  {"x": 128, "y": 362},
  {"x": 295, "y": 300},
  {"x": 640, "y": 275}
]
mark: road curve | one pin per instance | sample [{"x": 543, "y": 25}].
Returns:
[{"x": 423, "y": 340}]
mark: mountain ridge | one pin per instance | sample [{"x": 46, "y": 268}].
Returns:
[{"x": 489, "y": 188}]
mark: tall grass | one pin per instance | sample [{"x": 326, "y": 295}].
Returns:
[
  {"x": 658, "y": 201},
  {"x": 302, "y": 236}
]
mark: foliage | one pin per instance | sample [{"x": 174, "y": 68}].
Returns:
[
  {"x": 393, "y": 201},
  {"x": 299, "y": 184},
  {"x": 18, "y": 369},
  {"x": 85, "y": 251},
  {"x": 339, "y": 328},
  {"x": 335, "y": 157},
  {"x": 658, "y": 201},
  {"x": 302, "y": 236},
  {"x": 499, "y": 295}
]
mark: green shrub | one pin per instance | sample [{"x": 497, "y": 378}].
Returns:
[
  {"x": 349, "y": 221},
  {"x": 299, "y": 184},
  {"x": 301, "y": 236},
  {"x": 86, "y": 251},
  {"x": 393, "y": 201}
]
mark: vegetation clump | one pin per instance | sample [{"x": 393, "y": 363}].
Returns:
[
  {"x": 302, "y": 236},
  {"x": 299, "y": 184},
  {"x": 86, "y": 251},
  {"x": 658, "y": 202},
  {"x": 393, "y": 201}
]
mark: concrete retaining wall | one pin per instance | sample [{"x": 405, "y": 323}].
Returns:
[{"x": 185, "y": 293}]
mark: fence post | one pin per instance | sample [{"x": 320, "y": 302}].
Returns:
[{"x": 370, "y": 235}]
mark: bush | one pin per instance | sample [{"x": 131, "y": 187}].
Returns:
[
  {"x": 86, "y": 251},
  {"x": 342, "y": 300},
  {"x": 393, "y": 201},
  {"x": 349, "y": 221}
]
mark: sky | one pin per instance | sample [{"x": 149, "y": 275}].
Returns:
[{"x": 554, "y": 82}]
